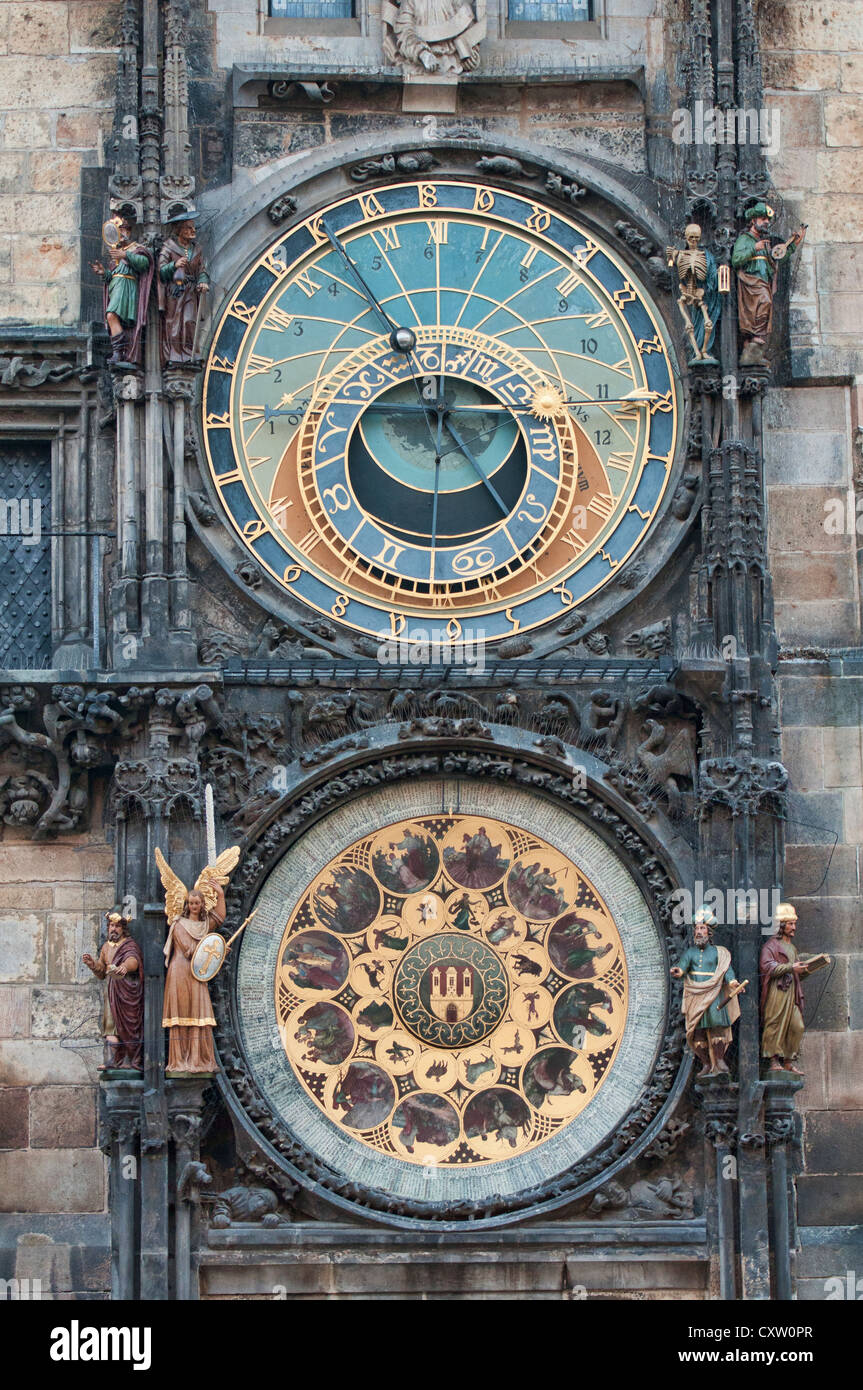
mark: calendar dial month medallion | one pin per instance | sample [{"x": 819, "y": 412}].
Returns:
[{"x": 484, "y": 470}]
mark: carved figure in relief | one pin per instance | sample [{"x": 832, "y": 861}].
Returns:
[
  {"x": 127, "y": 278},
  {"x": 434, "y": 35},
  {"x": 698, "y": 300},
  {"x": 782, "y": 971},
  {"x": 187, "y": 1011},
  {"x": 121, "y": 965},
  {"x": 710, "y": 991}
]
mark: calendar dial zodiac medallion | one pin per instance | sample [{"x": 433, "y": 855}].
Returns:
[{"x": 437, "y": 408}]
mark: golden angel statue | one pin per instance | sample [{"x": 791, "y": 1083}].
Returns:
[{"x": 187, "y": 1010}]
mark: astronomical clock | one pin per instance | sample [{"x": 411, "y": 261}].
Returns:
[
  {"x": 439, "y": 409},
  {"x": 440, "y": 412}
]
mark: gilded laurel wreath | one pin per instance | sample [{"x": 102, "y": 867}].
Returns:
[{"x": 211, "y": 877}]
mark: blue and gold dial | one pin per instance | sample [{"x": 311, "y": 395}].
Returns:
[{"x": 439, "y": 411}]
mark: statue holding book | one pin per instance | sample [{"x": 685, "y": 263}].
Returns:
[{"x": 782, "y": 972}]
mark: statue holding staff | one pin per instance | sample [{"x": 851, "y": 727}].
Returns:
[
  {"x": 187, "y": 1011},
  {"x": 183, "y": 279}
]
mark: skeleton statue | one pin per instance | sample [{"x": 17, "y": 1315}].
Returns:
[{"x": 698, "y": 300}]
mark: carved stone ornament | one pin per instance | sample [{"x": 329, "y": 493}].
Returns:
[
  {"x": 432, "y": 36},
  {"x": 269, "y": 1132}
]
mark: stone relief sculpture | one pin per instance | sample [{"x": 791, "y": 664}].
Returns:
[
  {"x": 187, "y": 1011},
  {"x": 432, "y": 36}
]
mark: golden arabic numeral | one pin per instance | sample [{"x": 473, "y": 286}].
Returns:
[
  {"x": 398, "y": 623},
  {"x": 516, "y": 622},
  {"x": 563, "y": 593},
  {"x": 292, "y": 574},
  {"x": 427, "y": 195},
  {"x": 306, "y": 283},
  {"x": 224, "y": 479},
  {"x": 335, "y": 493},
  {"x": 453, "y": 629},
  {"x": 483, "y": 200},
  {"x": 539, "y": 219},
  {"x": 241, "y": 311},
  {"x": 253, "y": 530},
  {"x": 274, "y": 261},
  {"x": 371, "y": 206},
  {"x": 217, "y": 421},
  {"x": 340, "y": 607},
  {"x": 316, "y": 230}
]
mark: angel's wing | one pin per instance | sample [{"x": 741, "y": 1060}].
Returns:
[
  {"x": 217, "y": 874},
  {"x": 175, "y": 888}
]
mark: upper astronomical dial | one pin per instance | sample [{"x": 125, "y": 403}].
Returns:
[{"x": 384, "y": 417}]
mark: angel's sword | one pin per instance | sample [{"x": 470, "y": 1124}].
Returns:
[{"x": 210, "y": 823}]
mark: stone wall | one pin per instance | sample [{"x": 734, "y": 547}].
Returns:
[
  {"x": 51, "y": 901},
  {"x": 57, "y": 80},
  {"x": 813, "y": 71}
]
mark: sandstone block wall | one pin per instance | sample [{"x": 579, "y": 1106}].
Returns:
[
  {"x": 57, "y": 84},
  {"x": 51, "y": 901}
]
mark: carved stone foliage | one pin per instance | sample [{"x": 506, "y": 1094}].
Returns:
[
  {"x": 18, "y": 371},
  {"x": 240, "y": 759},
  {"x": 48, "y": 746},
  {"x": 474, "y": 758},
  {"x": 741, "y": 784},
  {"x": 162, "y": 766}
]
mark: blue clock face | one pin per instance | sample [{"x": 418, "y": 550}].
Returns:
[{"x": 440, "y": 411}]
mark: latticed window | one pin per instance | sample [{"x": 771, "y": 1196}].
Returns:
[
  {"x": 549, "y": 11},
  {"x": 25, "y": 554},
  {"x": 311, "y": 9}
]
